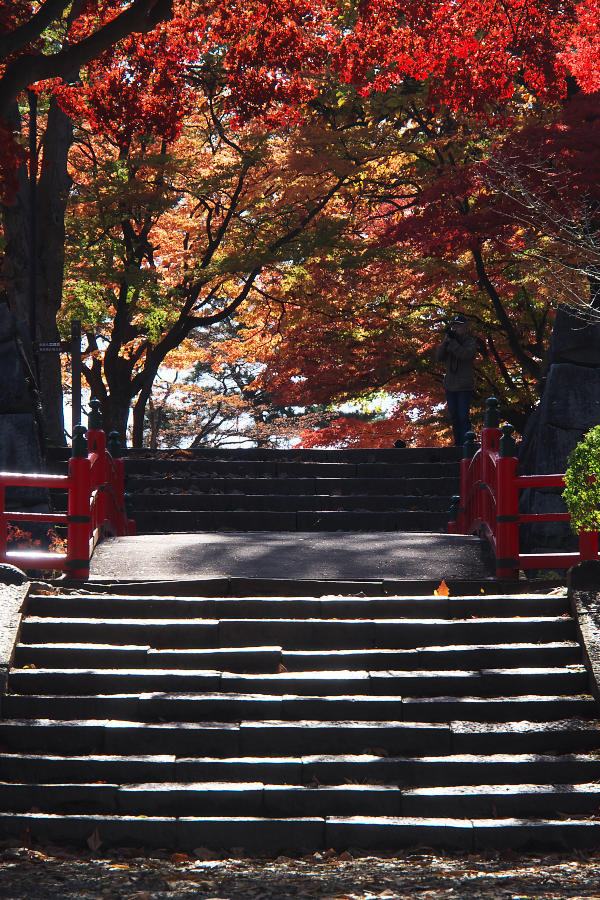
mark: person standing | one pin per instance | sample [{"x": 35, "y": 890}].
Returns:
[{"x": 457, "y": 351}]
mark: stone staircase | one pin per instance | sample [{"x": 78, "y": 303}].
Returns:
[
  {"x": 293, "y": 490},
  {"x": 291, "y": 723}
]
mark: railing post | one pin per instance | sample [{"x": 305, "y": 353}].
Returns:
[
  {"x": 3, "y": 525},
  {"x": 99, "y": 472},
  {"x": 116, "y": 477},
  {"x": 588, "y": 544},
  {"x": 469, "y": 451},
  {"x": 490, "y": 442},
  {"x": 78, "y": 508},
  {"x": 507, "y": 508},
  {"x": 453, "y": 515}
]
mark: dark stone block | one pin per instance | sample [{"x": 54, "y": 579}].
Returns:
[
  {"x": 574, "y": 340},
  {"x": 585, "y": 576}
]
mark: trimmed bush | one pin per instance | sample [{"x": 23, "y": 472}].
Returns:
[{"x": 582, "y": 483}]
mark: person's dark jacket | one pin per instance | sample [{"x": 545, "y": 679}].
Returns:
[{"x": 458, "y": 354}]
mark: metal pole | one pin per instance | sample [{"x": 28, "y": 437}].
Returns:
[
  {"x": 75, "y": 374},
  {"x": 33, "y": 100}
]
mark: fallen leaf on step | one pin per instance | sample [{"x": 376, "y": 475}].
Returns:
[
  {"x": 94, "y": 841},
  {"x": 442, "y": 591}
]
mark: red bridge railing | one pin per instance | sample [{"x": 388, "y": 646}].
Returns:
[
  {"x": 488, "y": 504},
  {"x": 95, "y": 486}
]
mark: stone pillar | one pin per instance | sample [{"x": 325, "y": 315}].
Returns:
[
  {"x": 569, "y": 407},
  {"x": 20, "y": 449}
]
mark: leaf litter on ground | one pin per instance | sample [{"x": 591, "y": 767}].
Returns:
[{"x": 50, "y": 873}]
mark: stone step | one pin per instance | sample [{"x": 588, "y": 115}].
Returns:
[
  {"x": 269, "y": 659},
  {"x": 294, "y": 739},
  {"x": 238, "y": 799},
  {"x": 115, "y": 656},
  {"x": 401, "y": 772},
  {"x": 168, "y": 521},
  {"x": 297, "y": 634},
  {"x": 295, "y": 454},
  {"x": 405, "y": 468},
  {"x": 235, "y": 707},
  {"x": 434, "y": 486},
  {"x": 113, "y": 607},
  {"x": 272, "y": 835},
  {"x": 230, "y": 502},
  {"x": 424, "y": 683},
  {"x": 557, "y": 653}
]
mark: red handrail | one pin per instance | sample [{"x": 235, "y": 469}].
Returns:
[
  {"x": 489, "y": 503},
  {"x": 95, "y": 506}
]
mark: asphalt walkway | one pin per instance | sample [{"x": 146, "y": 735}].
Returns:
[{"x": 347, "y": 556}]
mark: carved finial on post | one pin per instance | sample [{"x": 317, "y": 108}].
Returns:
[
  {"x": 508, "y": 446},
  {"x": 95, "y": 416},
  {"x": 470, "y": 447},
  {"x": 492, "y": 416},
  {"x": 80, "y": 444},
  {"x": 114, "y": 445}
]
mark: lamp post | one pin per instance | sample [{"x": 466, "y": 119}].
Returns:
[{"x": 33, "y": 170}]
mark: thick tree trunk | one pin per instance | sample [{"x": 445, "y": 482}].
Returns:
[
  {"x": 52, "y": 196},
  {"x": 51, "y": 199}
]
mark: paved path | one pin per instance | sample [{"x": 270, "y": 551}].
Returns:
[{"x": 302, "y": 555}]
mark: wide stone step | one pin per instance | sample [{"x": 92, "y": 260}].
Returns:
[
  {"x": 281, "y": 738},
  {"x": 395, "y": 468},
  {"x": 297, "y": 634},
  {"x": 402, "y": 772},
  {"x": 128, "y": 607},
  {"x": 433, "y": 485},
  {"x": 283, "y": 503},
  {"x": 484, "y": 682},
  {"x": 276, "y": 835},
  {"x": 235, "y": 707},
  {"x": 167, "y": 521},
  {"x": 293, "y": 454},
  {"x": 269, "y": 659},
  {"x": 238, "y": 799}
]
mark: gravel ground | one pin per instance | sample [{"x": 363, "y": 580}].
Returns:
[{"x": 420, "y": 875}]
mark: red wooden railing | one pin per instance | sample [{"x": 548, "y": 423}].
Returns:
[
  {"x": 95, "y": 507},
  {"x": 488, "y": 504}
]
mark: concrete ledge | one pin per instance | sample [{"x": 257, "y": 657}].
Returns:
[
  {"x": 12, "y": 599},
  {"x": 583, "y": 584}
]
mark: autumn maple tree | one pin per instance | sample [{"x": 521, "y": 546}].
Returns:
[{"x": 316, "y": 166}]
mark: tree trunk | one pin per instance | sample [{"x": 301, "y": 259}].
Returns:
[
  {"x": 139, "y": 414},
  {"x": 51, "y": 198}
]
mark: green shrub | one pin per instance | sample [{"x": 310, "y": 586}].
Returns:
[{"x": 582, "y": 493}]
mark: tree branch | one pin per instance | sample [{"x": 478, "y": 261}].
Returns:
[
  {"x": 24, "y": 34},
  {"x": 141, "y": 16}
]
